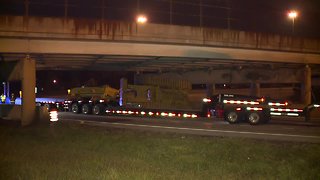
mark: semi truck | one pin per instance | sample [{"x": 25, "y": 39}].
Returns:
[
  {"x": 255, "y": 110},
  {"x": 172, "y": 101}
]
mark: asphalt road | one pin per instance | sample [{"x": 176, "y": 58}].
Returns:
[{"x": 279, "y": 129}]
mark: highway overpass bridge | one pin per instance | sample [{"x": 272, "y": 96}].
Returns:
[{"x": 202, "y": 55}]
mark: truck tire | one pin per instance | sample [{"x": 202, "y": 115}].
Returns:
[
  {"x": 232, "y": 117},
  {"x": 86, "y": 109},
  {"x": 254, "y": 118},
  {"x": 98, "y": 109},
  {"x": 75, "y": 108}
]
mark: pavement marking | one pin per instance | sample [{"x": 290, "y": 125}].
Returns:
[{"x": 197, "y": 129}]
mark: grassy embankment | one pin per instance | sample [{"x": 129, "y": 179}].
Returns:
[{"x": 68, "y": 151}]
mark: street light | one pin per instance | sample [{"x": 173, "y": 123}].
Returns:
[
  {"x": 292, "y": 15},
  {"x": 141, "y": 19}
]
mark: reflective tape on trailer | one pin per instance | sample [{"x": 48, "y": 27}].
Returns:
[
  {"x": 275, "y": 113},
  {"x": 285, "y": 110},
  {"x": 284, "y": 114},
  {"x": 292, "y": 114},
  {"x": 254, "y": 108},
  {"x": 240, "y": 102},
  {"x": 277, "y": 104},
  {"x": 151, "y": 113}
]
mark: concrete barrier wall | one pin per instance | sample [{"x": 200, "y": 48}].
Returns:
[
  {"x": 13, "y": 112},
  {"x": 10, "y": 112}
]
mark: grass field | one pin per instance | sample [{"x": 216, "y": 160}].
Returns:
[{"x": 71, "y": 151}]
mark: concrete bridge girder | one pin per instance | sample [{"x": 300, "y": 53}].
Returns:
[{"x": 10, "y": 45}]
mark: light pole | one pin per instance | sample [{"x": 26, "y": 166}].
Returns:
[
  {"x": 292, "y": 15},
  {"x": 141, "y": 18},
  {"x": 171, "y": 7}
]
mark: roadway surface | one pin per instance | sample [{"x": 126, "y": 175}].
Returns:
[{"x": 280, "y": 129}]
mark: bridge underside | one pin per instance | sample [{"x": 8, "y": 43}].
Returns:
[
  {"x": 197, "y": 64},
  {"x": 142, "y": 63},
  {"x": 145, "y": 57}
]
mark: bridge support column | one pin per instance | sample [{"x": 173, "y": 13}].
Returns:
[
  {"x": 306, "y": 86},
  {"x": 28, "y": 77},
  {"x": 255, "y": 89},
  {"x": 210, "y": 89}
]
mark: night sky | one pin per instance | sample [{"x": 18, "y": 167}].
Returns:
[{"x": 250, "y": 15}]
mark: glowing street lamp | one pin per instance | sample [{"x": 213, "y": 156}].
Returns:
[
  {"x": 292, "y": 15},
  {"x": 141, "y": 19}
]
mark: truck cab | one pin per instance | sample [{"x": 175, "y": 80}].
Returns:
[{"x": 236, "y": 108}]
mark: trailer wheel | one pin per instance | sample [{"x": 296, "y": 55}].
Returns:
[
  {"x": 75, "y": 108},
  {"x": 232, "y": 117},
  {"x": 86, "y": 109},
  {"x": 254, "y": 118},
  {"x": 98, "y": 109}
]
